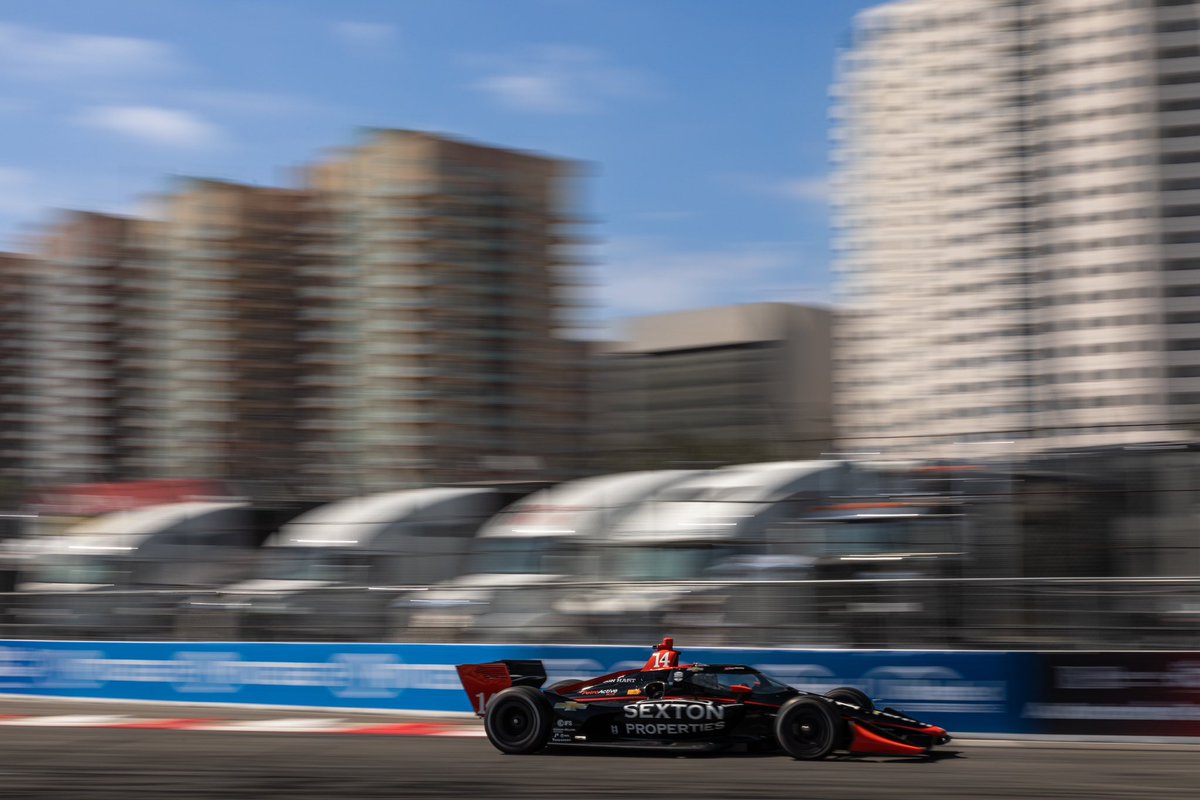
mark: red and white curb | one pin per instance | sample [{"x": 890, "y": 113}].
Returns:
[{"x": 292, "y": 725}]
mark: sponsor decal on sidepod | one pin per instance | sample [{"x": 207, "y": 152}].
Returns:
[{"x": 687, "y": 717}]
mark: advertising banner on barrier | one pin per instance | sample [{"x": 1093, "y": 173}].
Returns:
[
  {"x": 962, "y": 691},
  {"x": 1116, "y": 694}
]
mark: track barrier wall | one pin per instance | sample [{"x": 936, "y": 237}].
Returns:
[{"x": 1069, "y": 693}]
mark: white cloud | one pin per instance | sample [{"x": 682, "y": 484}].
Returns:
[
  {"x": 666, "y": 216},
  {"x": 248, "y": 103},
  {"x": 559, "y": 79},
  {"x": 531, "y": 92},
  {"x": 42, "y": 55},
  {"x": 806, "y": 190},
  {"x": 645, "y": 276},
  {"x": 365, "y": 34},
  {"x": 812, "y": 191},
  {"x": 152, "y": 125},
  {"x": 10, "y": 105},
  {"x": 15, "y": 187}
]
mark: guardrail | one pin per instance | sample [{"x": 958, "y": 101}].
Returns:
[
  {"x": 967, "y": 614},
  {"x": 1113, "y": 694}
]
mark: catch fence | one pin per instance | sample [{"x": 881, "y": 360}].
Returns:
[{"x": 891, "y": 613}]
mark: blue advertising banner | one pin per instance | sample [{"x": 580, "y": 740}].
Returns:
[{"x": 961, "y": 691}]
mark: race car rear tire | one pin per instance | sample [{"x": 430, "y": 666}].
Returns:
[
  {"x": 517, "y": 720},
  {"x": 808, "y": 728},
  {"x": 848, "y": 694}
]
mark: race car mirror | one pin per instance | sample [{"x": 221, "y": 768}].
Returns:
[
  {"x": 741, "y": 691},
  {"x": 654, "y": 690}
]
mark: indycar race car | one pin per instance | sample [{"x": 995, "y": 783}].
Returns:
[{"x": 666, "y": 703}]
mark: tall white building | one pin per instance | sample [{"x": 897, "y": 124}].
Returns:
[{"x": 1018, "y": 199}]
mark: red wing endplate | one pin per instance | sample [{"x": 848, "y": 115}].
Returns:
[
  {"x": 482, "y": 681},
  {"x": 865, "y": 740}
]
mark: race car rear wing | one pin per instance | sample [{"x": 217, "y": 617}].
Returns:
[{"x": 481, "y": 681}]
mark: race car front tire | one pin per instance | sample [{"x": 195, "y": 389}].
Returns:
[
  {"x": 809, "y": 728},
  {"x": 517, "y": 720},
  {"x": 848, "y": 694}
]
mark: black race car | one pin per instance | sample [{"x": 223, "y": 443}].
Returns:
[{"x": 666, "y": 702}]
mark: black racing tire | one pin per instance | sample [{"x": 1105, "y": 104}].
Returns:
[
  {"x": 848, "y": 694},
  {"x": 808, "y": 728},
  {"x": 517, "y": 720}
]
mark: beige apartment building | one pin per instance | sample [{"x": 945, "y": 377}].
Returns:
[
  {"x": 85, "y": 303},
  {"x": 224, "y": 263},
  {"x": 436, "y": 350},
  {"x": 16, "y": 370},
  {"x": 733, "y": 384},
  {"x": 1018, "y": 206},
  {"x": 395, "y": 320}
]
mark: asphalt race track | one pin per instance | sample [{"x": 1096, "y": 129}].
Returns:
[{"x": 95, "y": 764}]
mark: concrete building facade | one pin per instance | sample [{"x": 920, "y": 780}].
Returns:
[
  {"x": 395, "y": 320},
  {"x": 445, "y": 289},
  {"x": 719, "y": 385},
  {"x": 85, "y": 302},
  {"x": 225, "y": 263},
  {"x": 16, "y": 370},
  {"x": 1018, "y": 208}
]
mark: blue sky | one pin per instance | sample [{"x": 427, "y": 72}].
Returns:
[{"x": 704, "y": 123}]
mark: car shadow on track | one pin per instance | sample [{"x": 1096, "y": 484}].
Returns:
[
  {"x": 648, "y": 751},
  {"x": 928, "y": 758}
]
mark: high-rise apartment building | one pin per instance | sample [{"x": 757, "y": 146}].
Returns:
[
  {"x": 16, "y": 370},
  {"x": 435, "y": 347},
  {"x": 396, "y": 320},
  {"x": 1018, "y": 200},
  {"x": 226, "y": 264},
  {"x": 84, "y": 303}
]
